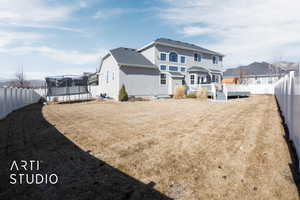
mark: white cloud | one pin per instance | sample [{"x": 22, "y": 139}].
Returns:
[
  {"x": 71, "y": 57},
  {"x": 36, "y": 14},
  {"x": 245, "y": 31},
  {"x": 107, "y": 13},
  {"x": 12, "y": 37}
]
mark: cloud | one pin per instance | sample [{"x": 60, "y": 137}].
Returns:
[
  {"x": 108, "y": 13},
  {"x": 243, "y": 30},
  {"x": 8, "y": 38},
  {"x": 71, "y": 57},
  {"x": 37, "y": 14}
]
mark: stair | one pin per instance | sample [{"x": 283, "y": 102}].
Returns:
[{"x": 220, "y": 96}]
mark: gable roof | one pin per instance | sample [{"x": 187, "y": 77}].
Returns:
[
  {"x": 182, "y": 45},
  {"x": 254, "y": 69},
  {"x": 130, "y": 57}
]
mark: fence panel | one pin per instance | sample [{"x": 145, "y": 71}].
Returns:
[
  {"x": 287, "y": 92},
  {"x": 14, "y": 98}
]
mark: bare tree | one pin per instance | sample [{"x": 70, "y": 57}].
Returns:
[{"x": 20, "y": 81}]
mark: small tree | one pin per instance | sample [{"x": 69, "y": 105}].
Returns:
[{"x": 123, "y": 96}]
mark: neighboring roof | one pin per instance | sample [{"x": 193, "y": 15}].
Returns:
[
  {"x": 176, "y": 74},
  {"x": 130, "y": 57},
  {"x": 179, "y": 44},
  {"x": 254, "y": 69},
  {"x": 197, "y": 69}
]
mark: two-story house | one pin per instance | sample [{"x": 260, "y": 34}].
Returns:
[{"x": 155, "y": 69}]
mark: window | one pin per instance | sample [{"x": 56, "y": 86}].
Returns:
[
  {"x": 163, "y": 67},
  {"x": 215, "y": 60},
  {"x": 173, "y": 68},
  {"x": 113, "y": 76},
  {"x": 173, "y": 57},
  {"x": 213, "y": 78},
  {"x": 163, "y": 56},
  {"x": 107, "y": 77},
  {"x": 220, "y": 58},
  {"x": 192, "y": 79},
  {"x": 197, "y": 57},
  {"x": 182, "y": 69},
  {"x": 182, "y": 59},
  {"x": 163, "y": 79}
]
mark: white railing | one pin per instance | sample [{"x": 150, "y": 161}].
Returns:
[
  {"x": 14, "y": 98},
  {"x": 287, "y": 92}
]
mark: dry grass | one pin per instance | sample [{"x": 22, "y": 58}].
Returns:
[
  {"x": 201, "y": 93},
  {"x": 189, "y": 149},
  {"x": 179, "y": 92}
]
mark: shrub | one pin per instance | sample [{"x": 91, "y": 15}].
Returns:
[
  {"x": 191, "y": 95},
  {"x": 179, "y": 92},
  {"x": 55, "y": 99},
  {"x": 123, "y": 96},
  {"x": 201, "y": 93}
]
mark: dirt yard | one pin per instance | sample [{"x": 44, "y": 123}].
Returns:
[{"x": 163, "y": 149}]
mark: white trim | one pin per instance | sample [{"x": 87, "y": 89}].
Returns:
[
  {"x": 146, "y": 46},
  {"x": 185, "y": 58},
  {"x": 160, "y": 78},
  {"x": 173, "y": 70},
  {"x": 180, "y": 47},
  {"x": 167, "y": 55},
  {"x": 176, "y": 54},
  {"x": 163, "y": 69}
]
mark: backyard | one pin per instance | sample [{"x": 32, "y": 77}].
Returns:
[{"x": 161, "y": 149}]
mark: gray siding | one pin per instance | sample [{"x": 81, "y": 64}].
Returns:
[
  {"x": 142, "y": 81},
  {"x": 205, "y": 62}
]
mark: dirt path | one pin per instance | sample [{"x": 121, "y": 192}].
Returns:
[{"x": 188, "y": 149}]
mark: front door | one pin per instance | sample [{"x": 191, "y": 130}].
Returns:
[{"x": 170, "y": 85}]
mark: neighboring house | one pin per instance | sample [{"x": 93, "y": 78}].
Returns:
[
  {"x": 255, "y": 73},
  {"x": 155, "y": 69}
]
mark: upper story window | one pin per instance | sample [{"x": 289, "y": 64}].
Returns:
[
  {"x": 220, "y": 58},
  {"x": 163, "y": 56},
  {"x": 215, "y": 60},
  {"x": 182, "y": 59},
  {"x": 163, "y": 67},
  {"x": 173, "y": 57},
  {"x": 197, "y": 57},
  {"x": 192, "y": 79},
  {"x": 173, "y": 68},
  {"x": 182, "y": 69},
  {"x": 163, "y": 79}
]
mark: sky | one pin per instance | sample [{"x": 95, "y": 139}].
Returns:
[{"x": 68, "y": 37}]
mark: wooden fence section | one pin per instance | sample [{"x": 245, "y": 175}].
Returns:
[
  {"x": 287, "y": 92},
  {"x": 14, "y": 98}
]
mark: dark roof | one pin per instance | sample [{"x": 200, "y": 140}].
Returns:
[
  {"x": 197, "y": 69},
  {"x": 130, "y": 57},
  {"x": 176, "y": 74},
  {"x": 254, "y": 69},
  {"x": 185, "y": 45}
]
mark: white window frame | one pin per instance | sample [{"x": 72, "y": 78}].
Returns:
[
  {"x": 166, "y": 56},
  {"x": 184, "y": 59},
  {"x": 177, "y": 57},
  {"x": 217, "y": 60},
  {"x": 173, "y": 70},
  {"x": 163, "y": 69},
  {"x": 161, "y": 79},
  {"x": 193, "y": 79}
]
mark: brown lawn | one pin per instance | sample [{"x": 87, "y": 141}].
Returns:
[{"x": 185, "y": 149}]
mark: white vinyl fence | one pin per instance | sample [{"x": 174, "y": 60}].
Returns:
[
  {"x": 287, "y": 92},
  {"x": 14, "y": 98}
]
